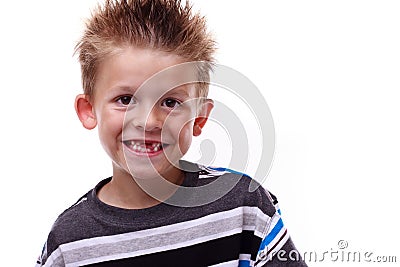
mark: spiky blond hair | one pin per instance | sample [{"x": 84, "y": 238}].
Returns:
[{"x": 165, "y": 25}]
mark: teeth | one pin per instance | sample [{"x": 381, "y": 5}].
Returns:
[{"x": 142, "y": 148}]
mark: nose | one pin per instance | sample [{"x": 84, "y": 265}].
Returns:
[{"x": 148, "y": 119}]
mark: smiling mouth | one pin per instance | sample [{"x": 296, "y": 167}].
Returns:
[{"x": 144, "y": 147}]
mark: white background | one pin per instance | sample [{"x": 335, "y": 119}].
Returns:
[{"x": 329, "y": 71}]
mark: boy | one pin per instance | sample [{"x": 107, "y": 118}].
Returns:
[{"x": 147, "y": 102}]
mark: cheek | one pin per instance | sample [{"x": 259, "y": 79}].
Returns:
[
  {"x": 180, "y": 129},
  {"x": 185, "y": 137},
  {"x": 110, "y": 124}
]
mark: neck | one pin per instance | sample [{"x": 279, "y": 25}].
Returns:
[{"x": 125, "y": 191}]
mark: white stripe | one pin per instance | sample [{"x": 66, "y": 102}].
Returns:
[{"x": 245, "y": 257}]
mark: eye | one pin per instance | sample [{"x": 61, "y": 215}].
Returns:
[
  {"x": 171, "y": 103},
  {"x": 124, "y": 100}
]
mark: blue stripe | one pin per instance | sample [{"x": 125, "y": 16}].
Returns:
[
  {"x": 271, "y": 236},
  {"x": 244, "y": 263},
  {"x": 228, "y": 170},
  {"x": 279, "y": 211}
]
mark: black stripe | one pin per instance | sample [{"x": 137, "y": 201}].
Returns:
[
  {"x": 250, "y": 244},
  {"x": 203, "y": 254}
]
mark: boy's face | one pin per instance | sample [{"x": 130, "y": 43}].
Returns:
[{"x": 155, "y": 132}]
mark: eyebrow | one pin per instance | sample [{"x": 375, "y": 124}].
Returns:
[
  {"x": 122, "y": 89},
  {"x": 178, "y": 91},
  {"x": 125, "y": 89}
]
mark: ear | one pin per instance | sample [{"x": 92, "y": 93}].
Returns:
[
  {"x": 205, "y": 109},
  {"x": 84, "y": 110}
]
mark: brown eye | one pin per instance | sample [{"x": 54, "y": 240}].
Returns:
[
  {"x": 124, "y": 100},
  {"x": 171, "y": 103}
]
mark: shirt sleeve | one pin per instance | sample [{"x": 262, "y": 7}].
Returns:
[{"x": 276, "y": 248}]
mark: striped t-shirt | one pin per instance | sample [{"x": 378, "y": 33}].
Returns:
[{"x": 241, "y": 228}]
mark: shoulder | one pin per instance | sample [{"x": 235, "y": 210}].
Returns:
[
  {"x": 238, "y": 189},
  {"x": 80, "y": 212},
  {"x": 65, "y": 228},
  {"x": 69, "y": 223},
  {"x": 77, "y": 222}
]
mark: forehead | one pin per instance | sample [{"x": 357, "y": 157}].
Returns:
[{"x": 132, "y": 67}]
